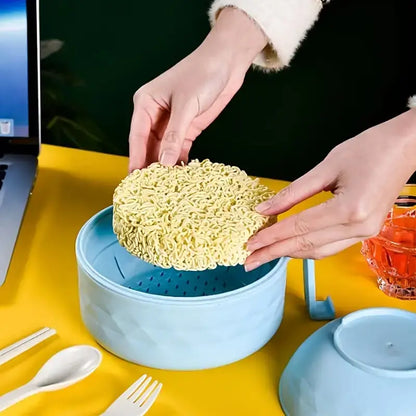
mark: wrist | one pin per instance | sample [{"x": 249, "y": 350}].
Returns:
[
  {"x": 408, "y": 129},
  {"x": 236, "y": 38},
  {"x": 405, "y": 134}
]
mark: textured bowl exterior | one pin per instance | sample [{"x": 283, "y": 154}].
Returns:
[{"x": 181, "y": 333}]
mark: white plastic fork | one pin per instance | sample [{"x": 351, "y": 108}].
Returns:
[{"x": 137, "y": 399}]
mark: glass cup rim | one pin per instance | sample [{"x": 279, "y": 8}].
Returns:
[{"x": 408, "y": 187}]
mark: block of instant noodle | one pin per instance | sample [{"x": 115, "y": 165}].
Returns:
[{"x": 189, "y": 217}]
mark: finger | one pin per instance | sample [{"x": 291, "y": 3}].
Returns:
[
  {"x": 318, "y": 217},
  {"x": 324, "y": 251},
  {"x": 140, "y": 127},
  {"x": 172, "y": 143},
  {"x": 153, "y": 148},
  {"x": 328, "y": 249},
  {"x": 305, "y": 246},
  {"x": 316, "y": 180},
  {"x": 184, "y": 156}
]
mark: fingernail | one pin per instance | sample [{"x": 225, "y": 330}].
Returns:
[
  {"x": 251, "y": 266},
  {"x": 167, "y": 158},
  {"x": 264, "y": 206}
]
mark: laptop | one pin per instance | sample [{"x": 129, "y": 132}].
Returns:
[{"x": 19, "y": 117}]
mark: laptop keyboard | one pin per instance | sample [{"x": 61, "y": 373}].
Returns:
[{"x": 3, "y": 169}]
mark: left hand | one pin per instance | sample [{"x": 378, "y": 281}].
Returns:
[
  {"x": 365, "y": 175},
  {"x": 173, "y": 109}
]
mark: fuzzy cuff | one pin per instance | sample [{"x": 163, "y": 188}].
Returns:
[
  {"x": 412, "y": 102},
  {"x": 284, "y": 22}
]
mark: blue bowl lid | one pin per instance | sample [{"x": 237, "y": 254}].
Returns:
[
  {"x": 381, "y": 341},
  {"x": 362, "y": 364}
]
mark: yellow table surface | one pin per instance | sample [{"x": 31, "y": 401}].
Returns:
[{"x": 41, "y": 290}]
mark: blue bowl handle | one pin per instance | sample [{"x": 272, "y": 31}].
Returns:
[{"x": 319, "y": 310}]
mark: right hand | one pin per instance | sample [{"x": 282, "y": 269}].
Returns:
[
  {"x": 365, "y": 175},
  {"x": 174, "y": 108}
]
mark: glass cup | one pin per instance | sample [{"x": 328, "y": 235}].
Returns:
[{"x": 392, "y": 253}]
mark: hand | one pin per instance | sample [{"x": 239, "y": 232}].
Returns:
[
  {"x": 365, "y": 175},
  {"x": 174, "y": 108}
]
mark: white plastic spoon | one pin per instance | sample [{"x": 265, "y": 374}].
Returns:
[{"x": 61, "y": 370}]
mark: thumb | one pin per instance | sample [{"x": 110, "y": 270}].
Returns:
[
  {"x": 181, "y": 117},
  {"x": 314, "y": 181}
]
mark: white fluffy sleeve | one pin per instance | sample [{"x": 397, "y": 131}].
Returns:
[
  {"x": 285, "y": 23},
  {"x": 412, "y": 102}
]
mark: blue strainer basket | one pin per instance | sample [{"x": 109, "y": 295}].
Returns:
[
  {"x": 130, "y": 272},
  {"x": 172, "y": 319}
]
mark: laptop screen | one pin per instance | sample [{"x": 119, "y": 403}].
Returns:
[
  {"x": 14, "y": 94},
  {"x": 19, "y": 101}
]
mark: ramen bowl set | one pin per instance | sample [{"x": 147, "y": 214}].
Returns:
[
  {"x": 177, "y": 319},
  {"x": 188, "y": 320}
]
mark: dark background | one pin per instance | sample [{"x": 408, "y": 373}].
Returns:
[{"x": 355, "y": 69}]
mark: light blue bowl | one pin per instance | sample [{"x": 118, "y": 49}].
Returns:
[
  {"x": 171, "y": 319},
  {"x": 361, "y": 365}
]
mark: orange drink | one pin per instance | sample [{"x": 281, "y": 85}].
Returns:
[{"x": 392, "y": 253}]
